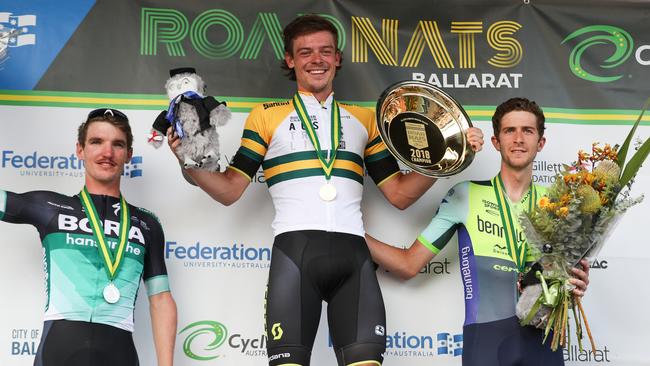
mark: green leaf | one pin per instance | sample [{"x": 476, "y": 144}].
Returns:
[
  {"x": 635, "y": 162},
  {"x": 622, "y": 152}
]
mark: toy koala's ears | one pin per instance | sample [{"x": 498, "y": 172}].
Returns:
[{"x": 182, "y": 70}]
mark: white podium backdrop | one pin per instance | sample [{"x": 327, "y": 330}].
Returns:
[{"x": 225, "y": 284}]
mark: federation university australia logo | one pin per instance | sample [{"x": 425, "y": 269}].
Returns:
[{"x": 39, "y": 164}]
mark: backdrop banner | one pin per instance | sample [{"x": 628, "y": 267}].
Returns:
[{"x": 58, "y": 60}]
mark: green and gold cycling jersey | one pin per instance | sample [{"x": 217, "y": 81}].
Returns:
[{"x": 275, "y": 139}]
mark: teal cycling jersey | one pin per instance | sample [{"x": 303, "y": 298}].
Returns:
[
  {"x": 488, "y": 271},
  {"x": 75, "y": 276},
  {"x": 492, "y": 334}
]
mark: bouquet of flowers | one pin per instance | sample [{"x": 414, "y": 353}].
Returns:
[{"x": 572, "y": 221}]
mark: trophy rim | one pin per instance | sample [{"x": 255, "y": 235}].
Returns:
[{"x": 466, "y": 157}]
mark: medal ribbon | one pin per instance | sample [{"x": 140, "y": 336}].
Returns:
[
  {"x": 112, "y": 261},
  {"x": 303, "y": 114},
  {"x": 517, "y": 252}
]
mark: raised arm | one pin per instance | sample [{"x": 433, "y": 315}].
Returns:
[
  {"x": 404, "y": 262},
  {"x": 402, "y": 190},
  {"x": 162, "y": 308},
  {"x": 225, "y": 188},
  {"x": 29, "y": 208}
]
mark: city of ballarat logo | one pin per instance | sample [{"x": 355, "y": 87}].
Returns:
[{"x": 203, "y": 338}]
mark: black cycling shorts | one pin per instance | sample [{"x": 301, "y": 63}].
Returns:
[
  {"x": 506, "y": 343},
  {"x": 308, "y": 267},
  {"x": 78, "y": 343}
]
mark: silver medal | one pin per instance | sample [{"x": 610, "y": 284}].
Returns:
[
  {"x": 111, "y": 293},
  {"x": 327, "y": 192}
]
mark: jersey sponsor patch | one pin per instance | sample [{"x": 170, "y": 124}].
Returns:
[
  {"x": 111, "y": 228},
  {"x": 275, "y": 104},
  {"x": 64, "y": 207}
]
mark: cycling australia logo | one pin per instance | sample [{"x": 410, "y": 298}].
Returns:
[
  {"x": 224, "y": 256},
  {"x": 203, "y": 337},
  {"x": 207, "y": 340},
  {"x": 593, "y": 39},
  {"x": 39, "y": 164},
  {"x": 15, "y": 31}
]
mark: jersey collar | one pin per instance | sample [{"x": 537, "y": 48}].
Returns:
[{"x": 311, "y": 101}]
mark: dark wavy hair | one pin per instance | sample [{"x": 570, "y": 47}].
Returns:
[
  {"x": 302, "y": 25},
  {"x": 518, "y": 104}
]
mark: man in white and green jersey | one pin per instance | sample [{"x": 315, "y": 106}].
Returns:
[
  {"x": 484, "y": 213},
  {"x": 96, "y": 249},
  {"x": 314, "y": 152}
]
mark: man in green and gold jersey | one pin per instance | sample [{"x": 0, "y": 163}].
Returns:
[
  {"x": 314, "y": 151},
  {"x": 492, "y": 335}
]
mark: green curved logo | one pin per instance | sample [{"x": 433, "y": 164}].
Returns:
[
  {"x": 202, "y": 328},
  {"x": 600, "y": 35}
]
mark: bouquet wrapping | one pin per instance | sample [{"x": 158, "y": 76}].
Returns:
[{"x": 571, "y": 222}]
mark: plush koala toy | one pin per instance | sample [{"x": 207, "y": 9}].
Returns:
[{"x": 193, "y": 117}]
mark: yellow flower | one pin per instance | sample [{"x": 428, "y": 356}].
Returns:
[
  {"x": 570, "y": 178},
  {"x": 562, "y": 211},
  {"x": 564, "y": 200},
  {"x": 544, "y": 201}
]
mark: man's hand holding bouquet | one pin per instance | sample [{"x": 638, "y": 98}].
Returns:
[{"x": 572, "y": 222}]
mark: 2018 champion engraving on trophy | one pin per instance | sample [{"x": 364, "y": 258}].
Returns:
[{"x": 424, "y": 128}]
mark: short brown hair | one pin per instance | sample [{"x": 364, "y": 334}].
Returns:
[
  {"x": 302, "y": 25},
  {"x": 112, "y": 116},
  {"x": 518, "y": 104}
]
